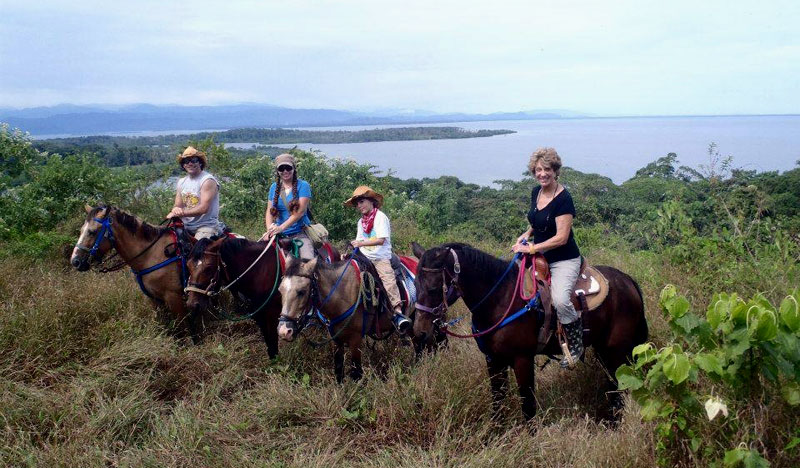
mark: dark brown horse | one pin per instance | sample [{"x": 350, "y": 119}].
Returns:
[
  {"x": 249, "y": 269},
  {"x": 455, "y": 270}
]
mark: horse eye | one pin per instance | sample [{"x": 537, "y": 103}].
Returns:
[{"x": 301, "y": 293}]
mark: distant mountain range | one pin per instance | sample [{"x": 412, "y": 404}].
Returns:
[{"x": 69, "y": 119}]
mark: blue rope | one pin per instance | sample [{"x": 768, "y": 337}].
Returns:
[{"x": 336, "y": 285}]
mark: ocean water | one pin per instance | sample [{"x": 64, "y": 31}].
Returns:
[{"x": 613, "y": 147}]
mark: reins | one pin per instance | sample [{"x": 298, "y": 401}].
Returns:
[
  {"x": 440, "y": 311},
  {"x": 221, "y": 266}
]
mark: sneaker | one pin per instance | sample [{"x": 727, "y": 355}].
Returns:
[{"x": 402, "y": 323}]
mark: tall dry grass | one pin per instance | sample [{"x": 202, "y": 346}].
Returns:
[{"x": 91, "y": 378}]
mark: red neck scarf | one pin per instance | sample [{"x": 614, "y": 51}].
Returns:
[{"x": 368, "y": 220}]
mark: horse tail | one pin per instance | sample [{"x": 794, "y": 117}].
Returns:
[{"x": 641, "y": 327}]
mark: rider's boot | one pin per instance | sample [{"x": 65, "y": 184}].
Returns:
[
  {"x": 401, "y": 322},
  {"x": 574, "y": 332}
]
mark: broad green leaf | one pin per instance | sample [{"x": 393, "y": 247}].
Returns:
[
  {"x": 678, "y": 307},
  {"x": 627, "y": 379},
  {"x": 667, "y": 293},
  {"x": 688, "y": 322},
  {"x": 791, "y": 393},
  {"x": 709, "y": 363},
  {"x": 676, "y": 367},
  {"x": 762, "y": 301},
  {"x": 754, "y": 460},
  {"x": 739, "y": 312},
  {"x": 654, "y": 408},
  {"x": 735, "y": 456},
  {"x": 790, "y": 313},
  {"x": 767, "y": 326},
  {"x": 717, "y": 312},
  {"x": 641, "y": 349}
]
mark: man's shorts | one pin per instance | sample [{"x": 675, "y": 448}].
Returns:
[{"x": 206, "y": 232}]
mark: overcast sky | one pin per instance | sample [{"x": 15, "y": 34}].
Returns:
[{"x": 600, "y": 57}]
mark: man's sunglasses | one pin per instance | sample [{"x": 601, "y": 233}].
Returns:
[
  {"x": 194, "y": 159},
  {"x": 285, "y": 168}
]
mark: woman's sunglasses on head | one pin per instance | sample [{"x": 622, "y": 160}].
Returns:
[{"x": 285, "y": 168}]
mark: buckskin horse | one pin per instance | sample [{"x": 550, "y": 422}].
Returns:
[
  {"x": 152, "y": 253},
  {"x": 343, "y": 299},
  {"x": 249, "y": 269},
  {"x": 488, "y": 287}
]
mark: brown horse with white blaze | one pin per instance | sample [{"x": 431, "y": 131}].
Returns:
[
  {"x": 335, "y": 289},
  {"x": 150, "y": 251},
  {"x": 488, "y": 287}
]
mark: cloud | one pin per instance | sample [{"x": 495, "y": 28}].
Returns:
[{"x": 639, "y": 57}]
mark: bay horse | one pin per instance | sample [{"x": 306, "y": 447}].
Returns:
[
  {"x": 455, "y": 270},
  {"x": 152, "y": 253},
  {"x": 335, "y": 291},
  {"x": 249, "y": 269}
]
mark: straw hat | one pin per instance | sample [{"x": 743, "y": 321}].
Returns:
[
  {"x": 190, "y": 152},
  {"x": 363, "y": 191}
]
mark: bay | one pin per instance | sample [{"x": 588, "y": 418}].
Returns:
[{"x": 613, "y": 147}]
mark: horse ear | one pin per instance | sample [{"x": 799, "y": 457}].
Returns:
[
  {"x": 87, "y": 208},
  {"x": 310, "y": 266},
  {"x": 417, "y": 249}
]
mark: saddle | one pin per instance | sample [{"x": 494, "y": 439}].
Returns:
[
  {"x": 590, "y": 290},
  {"x": 404, "y": 276}
]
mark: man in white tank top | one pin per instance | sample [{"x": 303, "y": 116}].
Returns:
[{"x": 197, "y": 196}]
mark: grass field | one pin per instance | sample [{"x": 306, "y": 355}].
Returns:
[{"x": 89, "y": 377}]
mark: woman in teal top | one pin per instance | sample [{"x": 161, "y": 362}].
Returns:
[{"x": 288, "y": 221}]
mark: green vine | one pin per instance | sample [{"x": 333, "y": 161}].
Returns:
[{"x": 746, "y": 353}]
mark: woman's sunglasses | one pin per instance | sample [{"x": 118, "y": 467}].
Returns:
[
  {"x": 285, "y": 168},
  {"x": 193, "y": 159}
]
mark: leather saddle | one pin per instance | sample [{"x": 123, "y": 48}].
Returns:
[{"x": 591, "y": 288}]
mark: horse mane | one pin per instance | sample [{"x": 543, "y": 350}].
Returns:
[
  {"x": 199, "y": 248},
  {"x": 488, "y": 265},
  {"x": 130, "y": 222}
]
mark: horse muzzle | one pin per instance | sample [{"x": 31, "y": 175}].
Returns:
[{"x": 286, "y": 331}]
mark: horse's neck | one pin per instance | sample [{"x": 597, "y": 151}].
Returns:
[
  {"x": 474, "y": 290},
  {"x": 346, "y": 292},
  {"x": 237, "y": 263},
  {"x": 129, "y": 246}
]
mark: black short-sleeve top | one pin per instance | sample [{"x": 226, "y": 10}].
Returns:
[{"x": 544, "y": 224}]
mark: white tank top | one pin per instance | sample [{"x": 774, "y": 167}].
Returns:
[{"x": 189, "y": 188}]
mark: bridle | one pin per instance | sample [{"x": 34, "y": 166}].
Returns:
[
  {"x": 450, "y": 292},
  {"x": 299, "y": 323},
  {"x": 105, "y": 233},
  {"x": 210, "y": 289},
  {"x": 313, "y": 298}
]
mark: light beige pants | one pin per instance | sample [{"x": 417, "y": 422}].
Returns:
[
  {"x": 384, "y": 268},
  {"x": 205, "y": 232}
]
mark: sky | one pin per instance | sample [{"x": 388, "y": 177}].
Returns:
[{"x": 601, "y": 58}]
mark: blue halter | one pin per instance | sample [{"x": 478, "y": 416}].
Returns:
[{"x": 105, "y": 233}]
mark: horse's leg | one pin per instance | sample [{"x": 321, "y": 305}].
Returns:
[
  {"x": 611, "y": 359},
  {"x": 267, "y": 321},
  {"x": 525, "y": 373},
  {"x": 355, "y": 358},
  {"x": 498, "y": 381},
  {"x": 338, "y": 360},
  {"x": 183, "y": 323}
]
